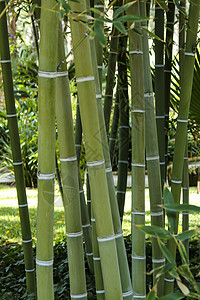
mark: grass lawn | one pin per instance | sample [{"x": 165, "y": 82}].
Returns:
[{"x": 9, "y": 214}]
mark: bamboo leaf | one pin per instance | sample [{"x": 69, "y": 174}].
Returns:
[
  {"x": 131, "y": 18},
  {"x": 186, "y": 235},
  {"x": 120, "y": 27},
  {"x": 121, "y": 9},
  {"x": 180, "y": 8},
  {"x": 182, "y": 207},
  {"x": 168, "y": 199},
  {"x": 153, "y": 35},
  {"x": 166, "y": 252},
  {"x": 99, "y": 33},
  {"x": 65, "y": 5},
  {"x": 151, "y": 295},
  {"x": 162, "y": 4},
  {"x": 173, "y": 296},
  {"x": 155, "y": 231},
  {"x": 182, "y": 287}
]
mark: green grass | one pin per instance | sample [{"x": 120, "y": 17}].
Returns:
[{"x": 10, "y": 223}]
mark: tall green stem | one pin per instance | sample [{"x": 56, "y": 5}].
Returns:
[
  {"x": 46, "y": 148},
  {"x": 182, "y": 121},
  {"x": 114, "y": 127},
  {"x": 138, "y": 158},
  {"x": 16, "y": 151}
]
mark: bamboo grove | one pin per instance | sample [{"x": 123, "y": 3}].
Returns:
[{"x": 130, "y": 110}]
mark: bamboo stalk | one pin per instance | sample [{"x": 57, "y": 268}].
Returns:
[
  {"x": 138, "y": 158},
  {"x": 110, "y": 78},
  {"x": 159, "y": 87},
  {"x": 46, "y": 148},
  {"x": 152, "y": 157},
  {"x": 185, "y": 96},
  {"x": 114, "y": 127},
  {"x": 124, "y": 125},
  {"x": 84, "y": 209},
  {"x": 16, "y": 151},
  {"x": 95, "y": 159}
]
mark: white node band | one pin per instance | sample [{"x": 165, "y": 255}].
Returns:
[
  {"x": 27, "y": 241},
  {"x": 123, "y": 161},
  {"x": 11, "y": 115},
  {"x": 44, "y": 263},
  {"x": 159, "y": 66},
  {"x": 190, "y": 53},
  {"x": 89, "y": 200},
  {"x": 106, "y": 238},
  {"x": 156, "y": 214},
  {"x": 62, "y": 74},
  {"x": 158, "y": 261},
  {"x": 169, "y": 280},
  {"x": 5, "y": 61},
  {"x": 142, "y": 213},
  {"x": 89, "y": 254},
  {"x": 121, "y": 192},
  {"x": 109, "y": 170},
  {"x": 77, "y": 145},
  {"x": 66, "y": 159},
  {"x": 78, "y": 296},
  {"x": 84, "y": 79},
  {"x": 152, "y": 158},
  {"x": 47, "y": 74},
  {"x": 185, "y": 213},
  {"x": 98, "y": 96},
  {"x": 148, "y": 95},
  {"x": 29, "y": 271},
  {"x": 162, "y": 163},
  {"x": 82, "y": 191},
  {"x": 18, "y": 163},
  {"x": 118, "y": 235},
  {"x": 46, "y": 176},
  {"x": 99, "y": 67},
  {"x": 74, "y": 234},
  {"x": 139, "y": 296},
  {"x": 185, "y": 188},
  {"x": 96, "y": 258},
  {"x": 23, "y": 205},
  {"x": 176, "y": 181},
  {"x": 112, "y": 139},
  {"x": 99, "y": 6},
  {"x": 129, "y": 293},
  {"x": 123, "y": 127},
  {"x": 138, "y": 257},
  {"x": 160, "y": 117},
  {"x": 92, "y": 220},
  {"x": 186, "y": 157},
  {"x": 182, "y": 120},
  {"x": 95, "y": 163},
  {"x": 100, "y": 291},
  {"x": 135, "y": 52},
  {"x": 138, "y": 111},
  {"x": 86, "y": 225},
  {"x": 138, "y": 165}
]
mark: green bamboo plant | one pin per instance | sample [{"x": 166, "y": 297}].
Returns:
[
  {"x": 138, "y": 157},
  {"x": 16, "y": 150},
  {"x": 46, "y": 147},
  {"x": 114, "y": 127},
  {"x": 69, "y": 171},
  {"x": 95, "y": 158},
  {"x": 185, "y": 96},
  {"x": 123, "y": 124},
  {"x": 159, "y": 86},
  {"x": 152, "y": 157}
]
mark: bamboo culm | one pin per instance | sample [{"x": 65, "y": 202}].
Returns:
[{"x": 16, "y": 152}]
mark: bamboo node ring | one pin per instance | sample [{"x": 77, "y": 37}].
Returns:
[
  {"x": 138, "y": 257},
  {"x": 152, "y": 158},
  {"x": 129, "y": 293},
  {"x": 190, "y": 53},
  {"x": 139, "y": 296},
  {"x": 65, "y": 159},
  {"x": 5, "y": 61},
  {"x": 29, "y": 271},
  {"x": 84, "y": 79},
  {"x": 138, "y": 165},
  {"x": 108, "y": 170},
  {"x": 182, "y": 120},
  {"x": 26, "y": 241},
  {"x": 11, "y": 115},
  {"x": 47, "y": 74},
  {"x": 169, "y": 280},
  {"x": 106, "y": 238},
  {"x": 46, "y": 176},
  {"x": 23, "y": 205},
  {"x": 148, "y": 95},
  {"x": 100, "y": 291},
  {"x": 86, "y": 225},
  {"x": 158, "y": 260},
  {"x": 95, "y": 163},
  {"x": 44, "y": 263},
  {"x": 142, "y": 111},
  {"x": 176, "y": 181},
  {"x": 78, "y": 296},
  {"x": 17, "y": 163},
  {"x": 98, "y": 96},
  {"x": 74, "y": 234}
]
